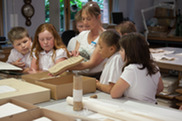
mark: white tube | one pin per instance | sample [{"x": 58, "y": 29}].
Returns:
[{"x": 111, "y": 110}]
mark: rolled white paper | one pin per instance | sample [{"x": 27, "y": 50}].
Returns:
[{"x": 111, "y": 110}]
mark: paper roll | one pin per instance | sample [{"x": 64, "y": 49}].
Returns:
[
  {"x": 111, "y": 110},
  {"x": 77, "y": 93}
]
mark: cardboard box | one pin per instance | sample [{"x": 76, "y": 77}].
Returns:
[
  {"x": 38, "y": 113},
  {"x": 61, "y": 86},
  {"x": 164, "y": 12},
  {"x": 34, "y": 112},
  {"x": 19, "y": 103},
  {"x": 24, "y": 91}
]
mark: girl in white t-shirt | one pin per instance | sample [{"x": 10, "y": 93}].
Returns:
[
  {"x": 47, "y": 49},
  {"x": 140, "y": 79},
  {"x": 109, "y": 48}
]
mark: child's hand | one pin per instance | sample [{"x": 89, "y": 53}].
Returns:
[
  {"x": 18, "y": 63},
  {"x": 32, "y": 71},
  {"x": 97, "y": 84},
  {"x": 26, "y": 70}
]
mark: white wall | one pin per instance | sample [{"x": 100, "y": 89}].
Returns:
[
  {"x": 132, "y": 9},
  {"x": 13, "y": 7}
]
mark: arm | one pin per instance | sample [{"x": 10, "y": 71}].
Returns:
[
  {"x": 119, "y": 88},
  {"x": 95, "y": 60},
  {"x": 160, "y": 86},
  {"x": 18, "y": 63},
  {"x": 33, "y": 67},
  {"x": 104, "y": 87}
]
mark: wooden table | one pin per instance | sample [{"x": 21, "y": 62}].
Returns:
[
  {"x": 175, "y": 64},
  {"x": 166, "y": 40}
]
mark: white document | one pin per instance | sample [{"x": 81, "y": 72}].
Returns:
[
  {"x": 5, "y": 88},
  {"x": 179, "y": 54},
  {"x": 8, "y": 66},
  {"x": 43, "y": 119},
  {"x": 10, "y": 109}
]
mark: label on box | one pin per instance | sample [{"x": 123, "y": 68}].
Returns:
[{"x": 77, "y": 95}]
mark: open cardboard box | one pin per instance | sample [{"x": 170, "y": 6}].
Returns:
[
  {"x": 19, "y": 103},
  {"x": 24, "y": 91},
  {"x": 61, "y": 86},
  {"x": 42, "y": 112},
  {"x": 33, "y": 112}
]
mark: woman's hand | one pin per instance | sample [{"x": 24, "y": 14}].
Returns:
[{"x": 74, "y": 53}]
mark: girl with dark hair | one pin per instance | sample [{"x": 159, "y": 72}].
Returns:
[
  {"x": 140, "y": 78},
  {"x": 109, "y": 48}
]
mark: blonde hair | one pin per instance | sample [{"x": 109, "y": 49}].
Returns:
[
  {"x": 17, "y": 33},
  {"x": 58, "y": 43}
]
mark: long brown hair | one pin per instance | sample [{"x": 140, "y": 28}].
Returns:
[
  {"x": 137, "y": 52},
  {"x": 58, "y": 43}
]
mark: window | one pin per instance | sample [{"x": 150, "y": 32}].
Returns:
[{"x": 76, "y": 5}]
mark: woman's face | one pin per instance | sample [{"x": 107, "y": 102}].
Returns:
[
  {"x": 46, "y": 40},
  {"x": 122, "y": 53},
  {"x": 89, "y": 21}
]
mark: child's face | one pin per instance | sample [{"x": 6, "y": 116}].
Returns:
[
  {"x": 122, "y": 53},
  {"x": 105, "y": 50},
  {"x": 80, "y": 26},
  {"x": 46, "y": 40},
  {"x": 23, "y": 45}
]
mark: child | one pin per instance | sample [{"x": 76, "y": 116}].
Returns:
[
  {"x": 47, "y": 49},
  {"x": 140, "y": 78},
  {"x": 109, "y": 48},
  {"x": 79, "y": 28},
  {"x": 125, "y": 27},
  {"x": 20, "y": 54}
]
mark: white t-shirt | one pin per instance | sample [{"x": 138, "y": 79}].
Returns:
[
  {"x": 86, "y": 50},
  {"x": 112, "y": 69},
  {"x": 72, "y": 43},
  {"x": 45, "y": 59},
  {"x": 15, "y": 55},
  {"x": 142, "y": 87}
]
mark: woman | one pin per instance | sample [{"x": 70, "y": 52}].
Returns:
[{"x": 87, "y": 41}]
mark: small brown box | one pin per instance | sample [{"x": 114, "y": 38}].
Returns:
[
  {"x": 164, "y": 12},
  {"x": 61, "y": 86}
]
